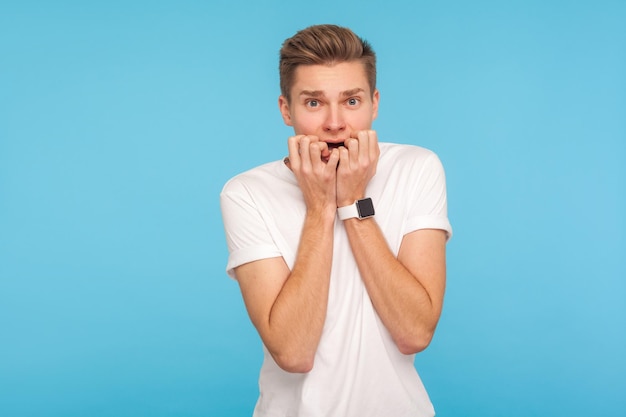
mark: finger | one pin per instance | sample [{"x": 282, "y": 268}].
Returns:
[
  {"x": 353, "y": 147},
  {"x": 293, "y": 145},
  {"x": 363, "y": 138},
  {"x": 333, "y": 160},
  {"x": 344, "y": 157},
  {"x": 315, "y": 150},
  {"x": 374, "y": 149},
  {"x": 305, "y": 151},
  {"x": 324, "y": 150}
]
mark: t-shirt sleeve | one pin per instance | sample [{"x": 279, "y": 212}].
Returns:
[
  {"x": 429, "y": 205},
  {"x": 247, "y": 235}
]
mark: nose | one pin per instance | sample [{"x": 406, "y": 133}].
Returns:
[{"x": 334, "y": 122}]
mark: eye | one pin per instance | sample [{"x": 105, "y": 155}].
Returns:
[
  {"x": 312, "y": 103},
  {"x": 353, "y": 101}
]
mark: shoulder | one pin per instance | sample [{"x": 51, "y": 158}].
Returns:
[
  {"x": 257, "y": 178},
  {"x": 399, "y": 150},
  {"x": 401, "y": 156}
]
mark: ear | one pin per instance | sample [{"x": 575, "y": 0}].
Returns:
[
  {"x": 283, "y": 106},
  {"x": 375, "y": 100}
]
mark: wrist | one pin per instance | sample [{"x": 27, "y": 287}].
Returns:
[
  {"x": 326, "y": 212},
  {"x": 360, "y": 209},
  {"x": 349, "y": 200}
]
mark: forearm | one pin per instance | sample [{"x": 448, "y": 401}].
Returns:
[
  {"x": 297, "y": 316},
  {"x": 401, "y": 300}
]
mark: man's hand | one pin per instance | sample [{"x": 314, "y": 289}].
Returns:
[
  {"x": 316, "y": 177},
  {"x": 358, "y": 159}
]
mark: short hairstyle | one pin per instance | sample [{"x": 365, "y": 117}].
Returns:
[{"x": 324, "y": 45}]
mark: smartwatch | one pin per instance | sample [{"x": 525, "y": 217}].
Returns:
[{"x": 361, "y": 209}]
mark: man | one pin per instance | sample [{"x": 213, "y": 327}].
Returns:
[{"x": 339, "y": 249}]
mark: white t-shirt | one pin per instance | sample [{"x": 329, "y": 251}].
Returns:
[{"x": 358, "y": 370}]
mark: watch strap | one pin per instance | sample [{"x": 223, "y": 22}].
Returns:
[
  {"x": 361, "y": 209},
  {"x": 348, "y": 212}
]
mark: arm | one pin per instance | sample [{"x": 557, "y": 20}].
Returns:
[
  {"x": 288, "y": 308},
  {"x": 407, "y": 290}
]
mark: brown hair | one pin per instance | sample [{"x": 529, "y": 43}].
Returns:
[{"x": 324, "y": 45}]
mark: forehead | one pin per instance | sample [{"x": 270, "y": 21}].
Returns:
[{"x": 330, "y": 79}]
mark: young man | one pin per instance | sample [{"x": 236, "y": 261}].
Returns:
[{"x": 339, "y": 249}]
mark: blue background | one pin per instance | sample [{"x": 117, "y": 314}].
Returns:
[{"x": 120, "y": 122}]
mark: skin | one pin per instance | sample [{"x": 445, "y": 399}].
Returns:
[{"x": 333, "y": 155}]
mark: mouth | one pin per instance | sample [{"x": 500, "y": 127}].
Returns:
[{"x": 332, "y": 146}]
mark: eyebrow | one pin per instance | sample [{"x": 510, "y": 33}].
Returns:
[
  {"x": 314, "y": 93},
  {"x": 320, "y": 93},
  {"x": 352, "y": 92}
]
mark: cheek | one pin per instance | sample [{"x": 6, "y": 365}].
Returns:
[
  {"x": 362, "y": 121},
  {"x": 308, "y": 123}
]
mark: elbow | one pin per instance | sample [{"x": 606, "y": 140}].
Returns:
[
  {"x": 296, "y": 364},
  {"x": 415, "y": 343}
]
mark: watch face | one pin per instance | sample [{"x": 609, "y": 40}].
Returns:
[{"x": 365, "y": 207}]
